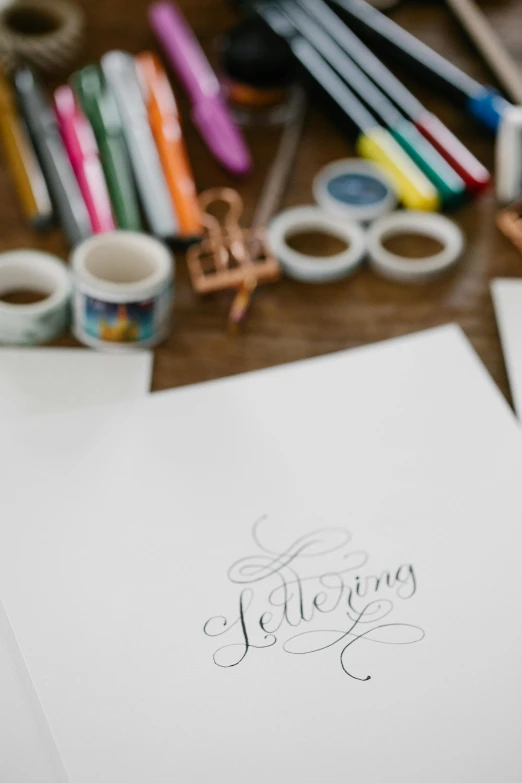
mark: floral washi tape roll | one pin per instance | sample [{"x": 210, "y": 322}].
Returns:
[{"x": 43, "y": 275}]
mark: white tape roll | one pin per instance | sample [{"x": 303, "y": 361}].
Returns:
[
  {"x": 315, "y": 269},
  {"x": 354, "y": 189},
  {"x": 123, "y": 291},
  {"x": 414, "y": 270},
  {"x": 42, "y": 321}
]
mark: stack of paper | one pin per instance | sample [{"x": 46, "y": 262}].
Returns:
[
  {"x": 44, "y": 381},
  {"x": 306, "y": 573}
]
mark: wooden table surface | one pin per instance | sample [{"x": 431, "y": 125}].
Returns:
[{"x": 289, "y": 320}]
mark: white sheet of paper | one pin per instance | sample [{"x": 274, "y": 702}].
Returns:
[
  {"x": 51, "y": 380},
  {"x": 507, "y": 298},
  {"x": 202, "y": 583},
  {"x": 38, "y": 381}
]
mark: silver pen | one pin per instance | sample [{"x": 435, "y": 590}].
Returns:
[
  {"x": 56, "y": 166},
  {"x": 121, "y": 75}
]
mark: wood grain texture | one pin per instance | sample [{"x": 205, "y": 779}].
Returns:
[{"x": 289, "y": 320}]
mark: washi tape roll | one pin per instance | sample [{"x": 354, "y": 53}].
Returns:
[
  {"x": 354, "y": 189},
  {"x": 46, "y": 34},
  {"x": 123, "y": 291},
  {"x": 315, "y": 269},
  {"x": 414, "y": 270},
  {"x": 43, "y": 320}
]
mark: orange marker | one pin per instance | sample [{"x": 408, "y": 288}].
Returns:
[
  {"x": 166, "y": 128},
  {"x": 23, "y": 162}
]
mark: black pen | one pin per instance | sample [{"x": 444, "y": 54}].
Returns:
[{"x": 55, "y": 163}]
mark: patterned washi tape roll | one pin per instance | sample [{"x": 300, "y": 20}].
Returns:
[
  {"x": 46, "y": 34},
  {"x": 41, "y": 321},
  {"x": 123, "y": 291}
]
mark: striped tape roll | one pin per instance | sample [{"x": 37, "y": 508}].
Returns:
[{"x": 46, "y": 34}]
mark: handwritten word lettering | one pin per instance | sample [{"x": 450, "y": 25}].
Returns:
[{"x": 297, "y": 587}]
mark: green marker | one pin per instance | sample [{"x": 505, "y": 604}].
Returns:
[{"x": 100, "y": 109}]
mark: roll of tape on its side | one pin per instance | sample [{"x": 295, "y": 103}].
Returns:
[
  {"x": 123, "y": 291},
  {"x": 314, "y": 269},
  {"x": 354, "y": 189},
  {"x": 46, "y": 34},
  {"x": 40, "y": 322},
  {"x": 414, "y": 270}
]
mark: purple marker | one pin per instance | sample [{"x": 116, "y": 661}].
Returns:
[{"x": 210, "y": 112}]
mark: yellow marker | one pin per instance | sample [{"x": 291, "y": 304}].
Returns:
[
  {"x": 413, "y": 187},
  {"x": 23, "y": 162}
]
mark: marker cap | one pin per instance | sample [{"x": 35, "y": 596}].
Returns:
[
  {"x": 451, "y": 187},
  {"x": 413, "y": 187},
  {"x": 474, "y": 174},
  {"x": 488, "y": 106}
]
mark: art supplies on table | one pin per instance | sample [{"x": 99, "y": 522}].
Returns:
[
  {"x": 228, "y": 613},
  {"x": 507, "y": 299},
  {"x": 414, "y": 270},
  {"x": 59, "y": 174},
  {"x": 314, "y": 269},
  {"x": 483, "y": 103},
  {"x": 280, "y": 171},
  {"x": 449, "y": 184},
  {"x": 258, "y": 73},
  {"x": 82, "y": 149},
  {"x": 123, "y": 291},
  {"x": 165, "y": 124},
  {"x": 120, "y": 72},
  {"x": 45, "y": 34},
  {"x": 272, "y": 194},
  {"x": 210, "y": 112},
  {"x": 231, "y": 257},
  {"x": 354, "y": 189},
  {"x": 373, "y": 141},
  {"x": 97, "y": 101},
  {"x": 360, "y": 242},
  {"x": 490, "y": 46},
  {"x": 47, "y": 279},
  {"x": 228, "y": 254},
  {"x": 25, "y": 169},
  {"x": 474, "y": 174},
  {"x": 508, "y": 156}
]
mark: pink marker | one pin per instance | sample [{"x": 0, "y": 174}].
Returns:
[
  {"x": 210, "y": 111},
  {"x": 82, "y": 150}
]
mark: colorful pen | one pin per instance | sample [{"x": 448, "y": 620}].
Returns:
[
  {"x": 120, "y": 71},
  {"x": 210, "y": 112},
  {"x": 474, "y": 174},
  {"x": 100, "y": 108},
  {"x": 55, "y": 163},
  {"x": 483, "y": 103},
  {"x": 450, "y": 186},
  {"x": 373, "y": 142},
  {"x": 81, "y": 147},
  {"x": 166, "y": 128},
  {"x": 25, "y": 168}
]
